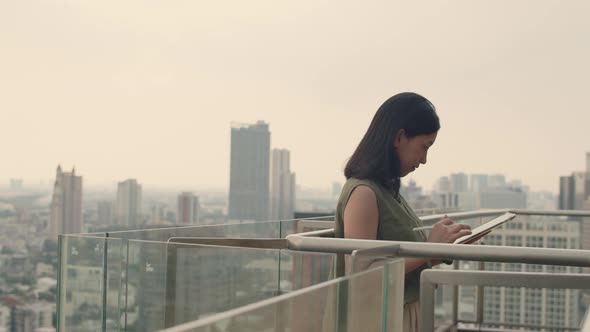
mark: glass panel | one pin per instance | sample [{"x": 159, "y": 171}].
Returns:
[
  {"x": 265, "y": 229},
  {"x": 391, "y": 295},
  {"x": 253, "y": 229},
  {"x": 299, "y": 269},
  {"x": 306, "y": 225},
  {"x": 394, "y": 293},
  {"x": 116, "y": 252},
  {"x": 354, "y": 303},
  {"x": 172, "y": 283},
  {"x": 81, "y": 283}
]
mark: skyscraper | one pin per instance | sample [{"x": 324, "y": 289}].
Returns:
[
  {"x": 282, "y": 183},
  {"x": 549, "y": 307},
  {"x": 66, "y": 204},
  {"x": 574, "y": 194},
  {"x": 479, "y": 182},
  {"x": 104, "y": 211},
  {"x": 443, "y": 185},
  {"x": 459, "y": 182},
  {"x": 249, "y": 186},
  {"x": 580, "y": 190},
  {"x": 128, "y": 211},
  {"x": 188, "y": 208},
  {"x": 497, "y": 181},
  {"x": 566, "y": 193}
]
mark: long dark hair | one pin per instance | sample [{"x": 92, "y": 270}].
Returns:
[{"x": 375, "y": 157}]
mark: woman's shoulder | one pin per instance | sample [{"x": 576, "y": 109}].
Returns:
[
  {"x": 375, "y": 186},
  {"x": 355, "y": 182}
]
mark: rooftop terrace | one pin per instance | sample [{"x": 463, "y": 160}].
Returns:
[{"x": 529, "y": 275}]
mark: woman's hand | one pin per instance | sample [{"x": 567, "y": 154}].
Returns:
[{"x": 445, "y": 231}]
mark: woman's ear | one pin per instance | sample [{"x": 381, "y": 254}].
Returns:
[{"x": 398, "y": 138}]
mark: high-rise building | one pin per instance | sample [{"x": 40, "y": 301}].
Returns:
[
  {"x": 447, "y": 200},
  {"x": 282, "y": 183},
  {"x": 459, "y": 182},
  {"x": 104, "y": 212},
  {"x": 443, "y": 185},
  {"x": 479, "y": 182},
  {"x": 580, "y": 190},
  {"x": 497, "y": 181},
  {"x": 566, "y": 193},
  {"x": 32, "y": 317},
  {"x": 411, "y": 192},
  {"x": 506, "y": 199},
  {"x": 161, "y": 214},
  {"x": 549, "y": 307},
  {"x": 249, "y": 183},
  {"x": 128, "y": 211},
  {"x": 66, "y": 204},
  {"x": 574, "y": 194},
  {"x": 188, "y": 208}
]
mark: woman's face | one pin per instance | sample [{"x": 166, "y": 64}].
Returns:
[{"x": 412, "y": 151}]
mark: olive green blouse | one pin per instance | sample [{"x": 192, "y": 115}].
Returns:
[{"x": 396, "y": 221}]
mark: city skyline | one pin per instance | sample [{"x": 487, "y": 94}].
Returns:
[
  {"x": 139, "y": 134},
  {"x": 508, "y": 94},
  {"x": 110, "y": 186}
]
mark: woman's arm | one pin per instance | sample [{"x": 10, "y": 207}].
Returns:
[{"x": 361, "y": 217}]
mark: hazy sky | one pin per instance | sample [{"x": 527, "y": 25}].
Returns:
[{"x": 148, "y": 89}]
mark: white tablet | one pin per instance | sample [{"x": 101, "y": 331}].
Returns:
[{"x": 488, "y": 226}]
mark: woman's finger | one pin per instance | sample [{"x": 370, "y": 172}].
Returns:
[
  {"x": 459, "y": 227},
  {"x": 459, "y": 234},
  {"x": 446, "y": 221}
]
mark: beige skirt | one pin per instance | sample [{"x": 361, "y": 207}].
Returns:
[{"x": 412, "y": 317}]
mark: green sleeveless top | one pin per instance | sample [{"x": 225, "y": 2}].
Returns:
[{"x": 396, "y": 221}]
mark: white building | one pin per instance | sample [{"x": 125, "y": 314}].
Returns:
[
  {"x": 459, "y": 182},
  {"x": 492, "y": 200},
  {"x": 32, "y": 317},
  {"x": 66, "y": 204},
  {"x": 188, "y": 208},
  {"x": 497, "y": 181},
  {"x": 104, "y": 212},
  {"x": 479, "y": 182},
  {"x": 549, "y": 307},
  {"x": 282, "y": 182},
  {"x": 128, "y": 210}
]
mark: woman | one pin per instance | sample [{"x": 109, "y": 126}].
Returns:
[{"x": 370, "y": 206}]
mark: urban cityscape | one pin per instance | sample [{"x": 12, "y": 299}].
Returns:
[
  {"x": 181, "y": 162},
  {"x": 263, "y": 187}
]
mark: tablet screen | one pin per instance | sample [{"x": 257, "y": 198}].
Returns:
[{"x": 488, "y": 226}]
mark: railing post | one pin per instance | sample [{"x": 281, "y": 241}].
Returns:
[
  {"x": 455, "y": 297},
  {"x": 480, "y": 298},
  {"x": 170, "y": 310},
  {"x": 427, "y": 288}
]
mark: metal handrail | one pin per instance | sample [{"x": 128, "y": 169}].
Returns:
[
  {"x": 545, "y": 256},
  {"x": 571, "y": 257}
]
